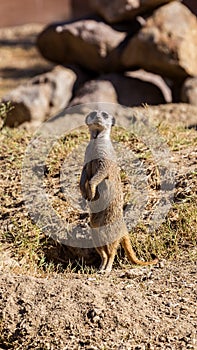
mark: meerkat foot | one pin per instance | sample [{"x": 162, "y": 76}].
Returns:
[
  {"x": 105, "y": 267},
  {"x": 102, "y": 268},
  {"x": 103, "y": 271}
]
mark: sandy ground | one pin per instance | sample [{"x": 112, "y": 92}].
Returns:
[{"x": 130, "y": 309}]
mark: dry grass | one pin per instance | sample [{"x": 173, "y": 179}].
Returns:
[{"x": 27, "y": 250}]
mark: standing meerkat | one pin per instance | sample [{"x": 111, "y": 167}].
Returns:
[{"x": 100, "y": 185}]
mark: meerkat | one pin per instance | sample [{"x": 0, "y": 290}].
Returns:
[{"x": 100, "y": 185}]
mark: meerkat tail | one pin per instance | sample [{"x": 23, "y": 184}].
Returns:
[{"x": 126, "y": 243}]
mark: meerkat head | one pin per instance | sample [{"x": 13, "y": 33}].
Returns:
[{"x": 99, "y": 122}]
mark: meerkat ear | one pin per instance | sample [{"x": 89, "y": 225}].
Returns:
[
  {"x": 113, "y": 121},
  {"x": 87, "y": 119}
]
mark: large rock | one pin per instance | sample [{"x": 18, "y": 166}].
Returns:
[
  {"x": 189, "y": 91},
  {"x": 122, "y": 10},
  {"x": 88, "y": 43},
  {"x": 137, "y": 88},
  {"x": 41, "y": 97},
  {"x": 167, "y": 44},
  {"x": 130, "y": 89},
  {"x": 95, "y": 91}
]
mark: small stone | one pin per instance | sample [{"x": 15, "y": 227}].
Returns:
[{"x": 189, "y": 91}]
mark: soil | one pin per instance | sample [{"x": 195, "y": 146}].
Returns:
[
  {"x": 141, "y": 308},
  {"x": 130, "y": 309}
]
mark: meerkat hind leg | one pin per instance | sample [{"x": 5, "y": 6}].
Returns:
[
  {"x": 104, "y": 258},
  {"x": 107, "y": 254},
  {"x": 110, "y": 261},
  {"x": 111, "y": 252}
]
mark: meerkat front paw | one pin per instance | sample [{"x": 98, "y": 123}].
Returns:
[
  {"x": 91, "y": 192},
  {"x": 84, "y": 194}
]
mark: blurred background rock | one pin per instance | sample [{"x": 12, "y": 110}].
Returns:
[{"x": 125, "y": 51}]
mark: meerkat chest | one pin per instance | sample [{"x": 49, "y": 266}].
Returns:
[
  {"x": 92, "y": 168},
  {"x": 99, "y": 155}
]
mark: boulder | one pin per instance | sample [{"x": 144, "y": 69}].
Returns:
[
  {"x": 167, "y": 44},
  {"x": 41, "y": 97},
  {"x": 189, "y": 91},
  {"x": 95, "y": 91},
  {"x": 130, "y": 89},
  {"x": 89, "y": 43},
  {"x": 137, "y": 88},
  {"x": 124, "y": 10}
]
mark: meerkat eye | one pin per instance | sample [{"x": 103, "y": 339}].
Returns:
[
  {"x": 92, "y": 114},
  {"x": 105, "y": 115}
]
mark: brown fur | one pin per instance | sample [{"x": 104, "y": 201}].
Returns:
[{"x": 100, "y": 180}]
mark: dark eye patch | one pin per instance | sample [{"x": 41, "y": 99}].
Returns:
[
  {"x": 92, "y": 114},
  {"x": 105, "y": 115}
]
